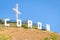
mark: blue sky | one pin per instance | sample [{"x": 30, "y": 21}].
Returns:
[{"x": 45, "y": 11}]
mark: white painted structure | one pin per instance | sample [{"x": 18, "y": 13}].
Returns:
[
  {"x": 48, "y": 27},
  {"x": 17, "y": 12},
  {"x": 6, "y": 24},
  {"x": 19, "y": 23},
  {"x": 39, "y": 25},
  {"x": 29, "y": 23}
]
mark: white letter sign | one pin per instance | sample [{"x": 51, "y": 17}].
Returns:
[
  {"x": 29, "y": 24},
  {"x": 6, "y": 24},
  {"x": 39, "y": 25},
  {"x": 48, "y": 27},
  {"x": 19, "y": 23}
]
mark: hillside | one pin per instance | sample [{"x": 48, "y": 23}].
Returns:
[{"x": 14, "y": 33}]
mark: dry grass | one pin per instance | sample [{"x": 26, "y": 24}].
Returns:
[{"x": 14, "y": 33}]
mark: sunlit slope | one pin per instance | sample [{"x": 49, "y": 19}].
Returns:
[{"x": 15, "y": 33}]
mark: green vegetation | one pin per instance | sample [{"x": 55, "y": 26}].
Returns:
[
  {"x": 34, "y": 27},
  {"x": 43, "y": 28},
  {"x": 1, "y": 21},
  {"x": 4, "y": 37},
  {"x": 54, "y": 37},
  {"x": 46, "y": 38},
  {"x": 25, "y": 26}
]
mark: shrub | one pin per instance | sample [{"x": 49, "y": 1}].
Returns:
[
  {"x": 34, "y": 27},
  {"x": 3, "y": 37},
  {"x": 1, "y": 21},
  {"x": 46, "y": 38},
  {"x": 54, "y": 37},
  {"x": 24, "y": 25},
  {"x": 43, "y": 29}
]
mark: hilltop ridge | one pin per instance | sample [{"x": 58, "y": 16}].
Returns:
[{"x": 14, "y": 33}]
